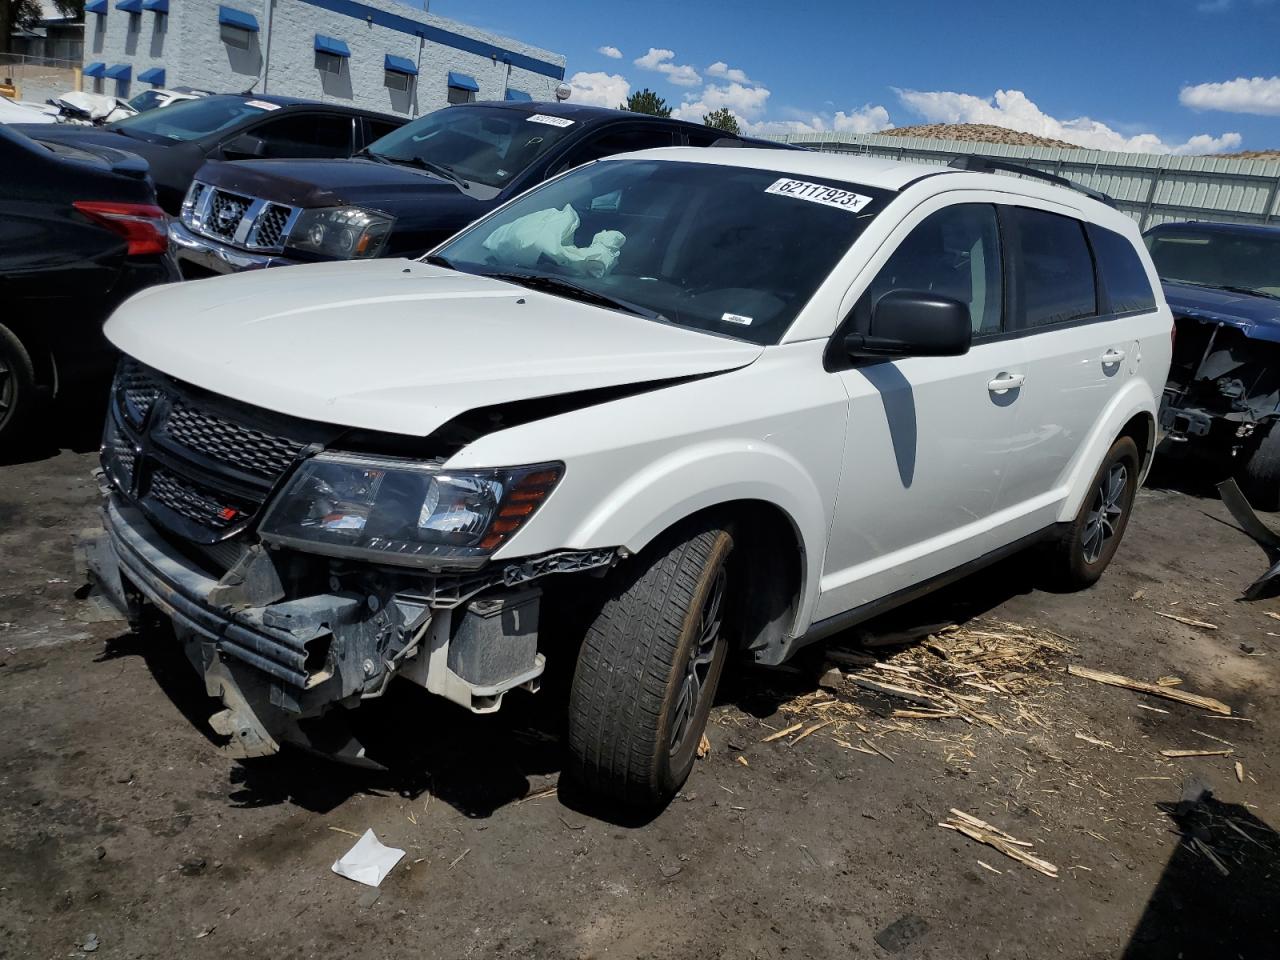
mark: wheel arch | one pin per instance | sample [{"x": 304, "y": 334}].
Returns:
[{"x": 1131, "y": 413}]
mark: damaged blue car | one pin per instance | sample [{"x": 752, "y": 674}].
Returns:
[{"x": 1222, "y": 281}]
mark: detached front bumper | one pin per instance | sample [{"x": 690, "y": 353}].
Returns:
[
  {"x": 200, "y": 256},
  {"x": 277, "y": 662}
]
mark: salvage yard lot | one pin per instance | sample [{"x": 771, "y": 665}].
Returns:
[{"x": 118, "y": 818}]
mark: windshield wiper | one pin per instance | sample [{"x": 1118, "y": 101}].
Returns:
[
  {"x": 1250, "y": 292},
  {"x": 438, "y": 261},
  {"x": 438, "y": 169},
  {"x": 574, "y": 291}
]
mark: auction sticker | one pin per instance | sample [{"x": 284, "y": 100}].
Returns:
[
  {"x": 262, "y": 104},
  {"x": 550, "y": 121},
  {"x": 819, "y": 193}
]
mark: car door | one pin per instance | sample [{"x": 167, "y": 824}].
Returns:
[
  {"x": 1076, "y": 354},
  {"x": 928, "y": 439},
  {"x": 301, "y": 135}
]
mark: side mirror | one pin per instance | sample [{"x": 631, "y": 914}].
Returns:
[
  {"x": 905, "y": 323},
  {"x": 245, "y": 145}
]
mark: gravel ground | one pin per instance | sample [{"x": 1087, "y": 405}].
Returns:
[{"x": 123, "y": 829}]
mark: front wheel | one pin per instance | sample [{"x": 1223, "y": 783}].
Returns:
[
  {"x": 18, "y": 393},
  {"x": 648, "y": 670},
  {"x": 1083, "y": 549}
]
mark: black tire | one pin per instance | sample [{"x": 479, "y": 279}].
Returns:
[
  {"x": 19, "y": 395},
  {"x": 1084, "y": 547},
  {"x": 635, "y": 715},
  {"x": 1260, "y": 475}
]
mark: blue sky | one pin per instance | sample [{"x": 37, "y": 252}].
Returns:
[{"x": 1181, "y": 75}]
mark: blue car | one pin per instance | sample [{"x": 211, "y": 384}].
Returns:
[{"x": 1222, "y": 281}]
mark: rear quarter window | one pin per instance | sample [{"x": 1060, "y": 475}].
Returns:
[{"x": 1123, "y": 275}]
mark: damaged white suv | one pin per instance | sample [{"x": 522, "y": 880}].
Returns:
[{"x": 725, "y": 402}]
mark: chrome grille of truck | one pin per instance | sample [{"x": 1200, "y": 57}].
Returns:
[{"x": 237, "y": 219}]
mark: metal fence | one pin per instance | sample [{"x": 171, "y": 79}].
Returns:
[
  {"x": 1151, "y": 188},
  {"x": 39, "y": 78}
]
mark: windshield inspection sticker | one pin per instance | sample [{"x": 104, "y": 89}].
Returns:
[
  {"x": 819, "y": 193},
  {"x": 550, "y": 121},
  {"x": 736, "y": 318},
  {"x": 262, "y": 105}
]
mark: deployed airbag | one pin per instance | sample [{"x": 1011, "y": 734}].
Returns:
[{"x": 549, "y": 233}]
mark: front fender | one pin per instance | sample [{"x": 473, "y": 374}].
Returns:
[{"x": 1132, "y": 400}]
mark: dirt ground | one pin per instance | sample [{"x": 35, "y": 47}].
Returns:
[{"x": 122, "y": 828}]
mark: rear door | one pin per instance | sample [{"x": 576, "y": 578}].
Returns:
[
  {"x": 1077, "y": 351},
  {"x": 306, "y": 135}
]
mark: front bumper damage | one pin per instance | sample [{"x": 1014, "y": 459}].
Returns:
[{"x": 279, "y": 662}]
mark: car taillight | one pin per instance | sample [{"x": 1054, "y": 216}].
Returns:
[{"x": 144, "y": 226}]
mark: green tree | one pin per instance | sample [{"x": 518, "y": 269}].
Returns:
[
  {"x": 722, "y": 119},
  {"x": 646, "y": 101}
]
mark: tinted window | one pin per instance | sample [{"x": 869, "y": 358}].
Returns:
[
  {"x": 697, "y": 245},
  {"x": 1055, "y": 269},
  {"x": 706, "y": 136},
  {"x": 306, "y": 135},
  {"x": 1123, "y": 274},
  {"x": 953, "y": 253},
  {"x": 622, "y": 140},
  {"x": 380, "y": 128},
  {"x": 192, "y": 119}
]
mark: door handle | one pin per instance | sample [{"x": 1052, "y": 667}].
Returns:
[
  {"x": 1005, "y": 382},
  {"x": 1112, "y": 357}
]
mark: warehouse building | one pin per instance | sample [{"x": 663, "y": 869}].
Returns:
[{"x": 376, "y": 54}]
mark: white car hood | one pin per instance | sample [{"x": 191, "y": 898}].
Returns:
[{"x": 398, "y": 345}]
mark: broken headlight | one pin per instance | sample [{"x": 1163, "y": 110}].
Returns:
[
  {"x": 344, "y": 233},
  {"x": 404, "y": 511}
]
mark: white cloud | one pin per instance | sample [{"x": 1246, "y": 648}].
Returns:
[
  {"x": 733, "y": 74},
  {"x": 746, "y": 103},
  {"x": 867, "y": 119},
  {"x": 1242, "y": 95},
  {"x": 1013, "y": 109},
  {"x": 613, "y": 53},
  {"x": 599, "y": 89},
  {"x": 659, "y": 59}
]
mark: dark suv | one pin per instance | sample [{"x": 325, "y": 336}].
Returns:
[
  {"x": 175, "y": 141},
  {"x": 408, "y": 191}
]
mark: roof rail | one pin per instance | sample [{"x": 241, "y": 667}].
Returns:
[{"x": 980, "y": 164}]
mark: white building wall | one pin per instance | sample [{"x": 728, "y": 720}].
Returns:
[{"x": 188, "y": 45}]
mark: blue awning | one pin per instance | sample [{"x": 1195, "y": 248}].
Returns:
[
  {"x": 129, "y": 6},
  {"x": 121, "y": 71},
  {"x": 153, "y": 76},
  {"x": 517, "y": 95},
  {"x": 96, "y": 6},
  {"x": 332, "y": 45},
  {"x": 231, "y": 17},
  {"x": 156, "y": 6},
  {"x": 95, "y": 69},
  {"x": 401, "y": 65},
  {"x": 462, "y": 82}
]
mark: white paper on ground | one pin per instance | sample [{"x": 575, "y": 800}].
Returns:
[{"x": 368, "y": 861}]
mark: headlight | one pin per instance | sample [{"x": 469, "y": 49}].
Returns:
[
  {"x": 345, "y": 233},
  {"x": 404, "y": 512}
]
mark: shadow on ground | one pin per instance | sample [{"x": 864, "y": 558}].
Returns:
[
  {"x": 72, "y": 422},
  {"x": 1219, "y": 895}
]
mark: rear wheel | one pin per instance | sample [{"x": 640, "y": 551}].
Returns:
[
  {"x": 648, "y": 670},
  {"x": 19, "y": 395},
  {"x": 1085, "y": 546},
  {"x": 1260, "y": 475}
]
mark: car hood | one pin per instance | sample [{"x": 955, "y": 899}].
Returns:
[
  {"x": 1257, "y": 317},
  {"x": 397, "y": 345},
  {"x": 326, "y": 183}
]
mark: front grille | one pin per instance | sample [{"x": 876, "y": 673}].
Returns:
[
  {"x": 118, "y": 455},
  {"x": 208, "y": 508},
  {"x": 226, "y": 441},
  {"x": 137, "y": 389},
  {"x": 244, "y": 221}
]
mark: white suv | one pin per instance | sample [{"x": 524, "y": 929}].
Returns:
[{"x": 699, "y": 403}]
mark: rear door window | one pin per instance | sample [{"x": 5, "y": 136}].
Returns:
[
  {"x": 1124, "y": 278},
  {"x": 1054, "y": 269},
  {"x": 619, "y": 140},
  {"x": 306, "y": 135}
]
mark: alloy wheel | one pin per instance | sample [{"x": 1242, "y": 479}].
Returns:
[
  {"x": 693, "y": 686},
  {"x": 1105, "y": 512}
]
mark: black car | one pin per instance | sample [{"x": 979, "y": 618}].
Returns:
[
  {"x": 79, "y": 232},
  {"x": 182, "y": 136},
  {"x": 408, "y": 191}
]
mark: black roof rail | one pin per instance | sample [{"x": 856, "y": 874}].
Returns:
[{"x": 980, "y": 164}]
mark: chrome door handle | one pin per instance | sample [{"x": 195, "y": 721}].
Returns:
[
  {"x": 1006, "y": 382},
  {"x": 1112, "y": 357}
]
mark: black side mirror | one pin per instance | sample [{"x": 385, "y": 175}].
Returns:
[
  {"x": 905, "y": 323},
  {"x": 245, "y": 145}
]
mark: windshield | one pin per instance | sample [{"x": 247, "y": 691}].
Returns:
[
  {"x": 192, "y": 119},
  {"x": 732, "y": 251},
  {"x": 481, "y": 144},
  {"x": 146, "y": 100},
  {"x": 1241, "y": 262}
]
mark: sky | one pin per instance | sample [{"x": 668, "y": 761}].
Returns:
[{"x": 1161, "y": 76}]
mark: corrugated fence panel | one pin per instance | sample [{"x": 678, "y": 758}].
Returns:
[{"x": 1151, "y": 188}]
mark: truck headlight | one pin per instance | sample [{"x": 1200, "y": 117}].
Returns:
[
  {"x": 344, "y": 233},
  {"x": 403, "y": 511}
]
